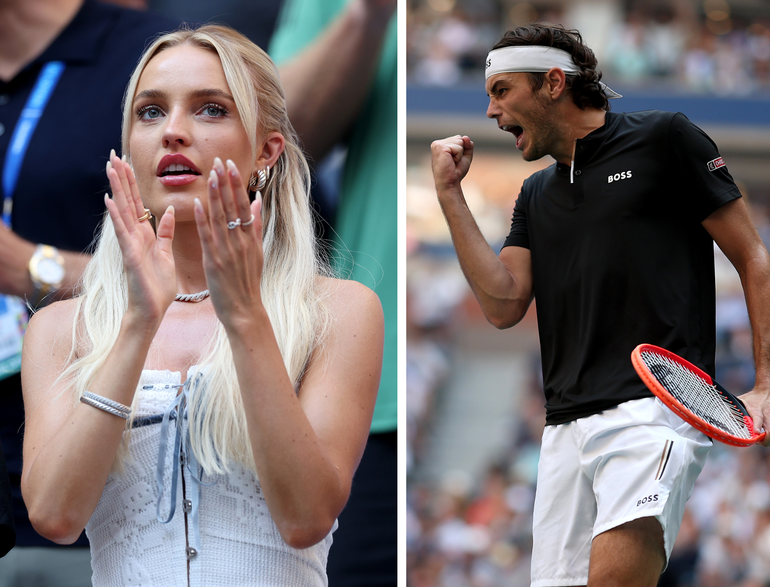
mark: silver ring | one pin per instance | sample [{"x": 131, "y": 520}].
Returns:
[
  {"x": 233, "y": 224},
  {"x": 249, "y": 222}
]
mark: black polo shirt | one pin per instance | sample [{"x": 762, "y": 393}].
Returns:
[
  {"x": 619, "y": 256},
  {"x": 62, "y": 182}
]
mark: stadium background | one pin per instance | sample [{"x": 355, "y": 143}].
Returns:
[{"x": 474, "y": 397}]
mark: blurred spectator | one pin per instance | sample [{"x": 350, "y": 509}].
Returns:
[
  {"x": 714, "y": 52},
  {"x": 253, "y": 18}
]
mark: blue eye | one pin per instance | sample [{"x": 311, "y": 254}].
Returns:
[
  {"x": 214, "y": 110},
  {"x": 149, "y": 112}
]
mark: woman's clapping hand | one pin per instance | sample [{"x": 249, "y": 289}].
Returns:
[
  {"x": 231, "y": 239},
  {"x": 147, "y": 257}
]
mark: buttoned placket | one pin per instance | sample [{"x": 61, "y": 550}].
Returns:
[
  {"x": 190, "y": 550},
  {"x": 575, "y": 173},
  {"x": 185, "y": 464}
]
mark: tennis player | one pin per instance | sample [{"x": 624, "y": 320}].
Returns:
[{"x": 615, "y": 240}]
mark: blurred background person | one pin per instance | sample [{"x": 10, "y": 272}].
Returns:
[
  {"x": 707, "y": 59},
  {"x": 64, "y": 65},
  {"x": 337, "y": 61},
  {"x": 254, "y": 18}
]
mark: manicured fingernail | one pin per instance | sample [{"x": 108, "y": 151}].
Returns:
[
  {"x": 233, "y": 169},
  {"x": 198, "y": 206},
  {"x": 213, "y": 178},
  {"x": 112, "y": 153},
  {"x": 218, "y": 166},
  {"x": 124, "y": 158},
  {"x": 109, "y": 165}
]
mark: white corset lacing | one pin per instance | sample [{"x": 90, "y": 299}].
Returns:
[{"x": 220, "y": 526}]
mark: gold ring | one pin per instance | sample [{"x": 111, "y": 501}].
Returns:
[{"x": 145, "y": 216}]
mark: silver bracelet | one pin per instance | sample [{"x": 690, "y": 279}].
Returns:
[{"x": 106, "y": 404}]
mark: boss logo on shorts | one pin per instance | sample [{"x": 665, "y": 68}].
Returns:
[
  {"x": 648, "y": 499},
  {"x": 619, "y": 176},
  {"x": 715, "y": 164}
]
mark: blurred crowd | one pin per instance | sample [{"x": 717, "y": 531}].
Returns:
[
  {"x": 476, "y": 532},
  {"x": 707, "y": 47}
]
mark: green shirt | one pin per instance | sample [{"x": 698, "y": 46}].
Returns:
[{"x": 366, "y": 225}]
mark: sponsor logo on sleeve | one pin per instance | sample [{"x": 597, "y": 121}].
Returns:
[{"x": 715, "y": 164}]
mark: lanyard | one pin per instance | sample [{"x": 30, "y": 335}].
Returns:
[{"x": 25, "y": 127}]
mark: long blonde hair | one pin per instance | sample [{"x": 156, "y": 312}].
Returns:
[{"x": 292, "y": 264}]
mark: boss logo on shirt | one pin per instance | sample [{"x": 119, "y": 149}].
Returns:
[
  {"x": 715, "y": 164},
  {"x": 619, "y": 176},
  {"x": 648, "y": 499}
]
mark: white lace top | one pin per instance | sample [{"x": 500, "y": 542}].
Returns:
[{"x": 220, "y": 532}]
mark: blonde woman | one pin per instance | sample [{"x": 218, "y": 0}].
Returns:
[{"x": 201, "y": 407}]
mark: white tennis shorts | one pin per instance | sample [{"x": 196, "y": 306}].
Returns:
[{"x": 634, "y": 461}]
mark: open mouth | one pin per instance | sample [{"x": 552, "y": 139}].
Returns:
[
  {"x": 515, "y": 130},
  {"x": 174, "y": 169},
  {"x": 178, "y": 169}
]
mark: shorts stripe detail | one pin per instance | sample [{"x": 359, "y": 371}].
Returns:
[{"x": 664, "y": 459}]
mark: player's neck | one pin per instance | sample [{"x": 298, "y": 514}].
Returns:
[
  {"x": 589, "y": 120},
  {"x": 28, "y": 27},
  {"x": 577, "y": 124}
]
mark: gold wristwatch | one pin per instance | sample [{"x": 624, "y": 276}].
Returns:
[{"x": 46, "y": 268}]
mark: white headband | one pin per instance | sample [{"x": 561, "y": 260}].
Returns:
[{"x": 534, "y": 59}]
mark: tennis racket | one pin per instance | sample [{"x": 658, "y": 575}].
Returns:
[{"x": 694, "y": 396}]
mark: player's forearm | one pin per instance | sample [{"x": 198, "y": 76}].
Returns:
[
  {"x": 501, "y": 297},
  {"x": 756, "y": 285},
  {"x": 326, "y": 84},
  {"x": 65, "y": 478}
]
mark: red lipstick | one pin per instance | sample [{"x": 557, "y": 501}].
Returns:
[{"x": 176, "y": 169}]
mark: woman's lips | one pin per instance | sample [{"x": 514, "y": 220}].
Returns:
[{"x": 177, "y": 180}]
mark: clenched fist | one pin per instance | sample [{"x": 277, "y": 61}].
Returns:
[{"x": 451, "y": 159}]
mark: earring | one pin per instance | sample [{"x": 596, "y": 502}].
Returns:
[
  {"x": 263, "y": 175},
  {"x": 259, "y": 181}
]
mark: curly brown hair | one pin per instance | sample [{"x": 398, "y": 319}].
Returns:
[{"x": 584, "y": 86}]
